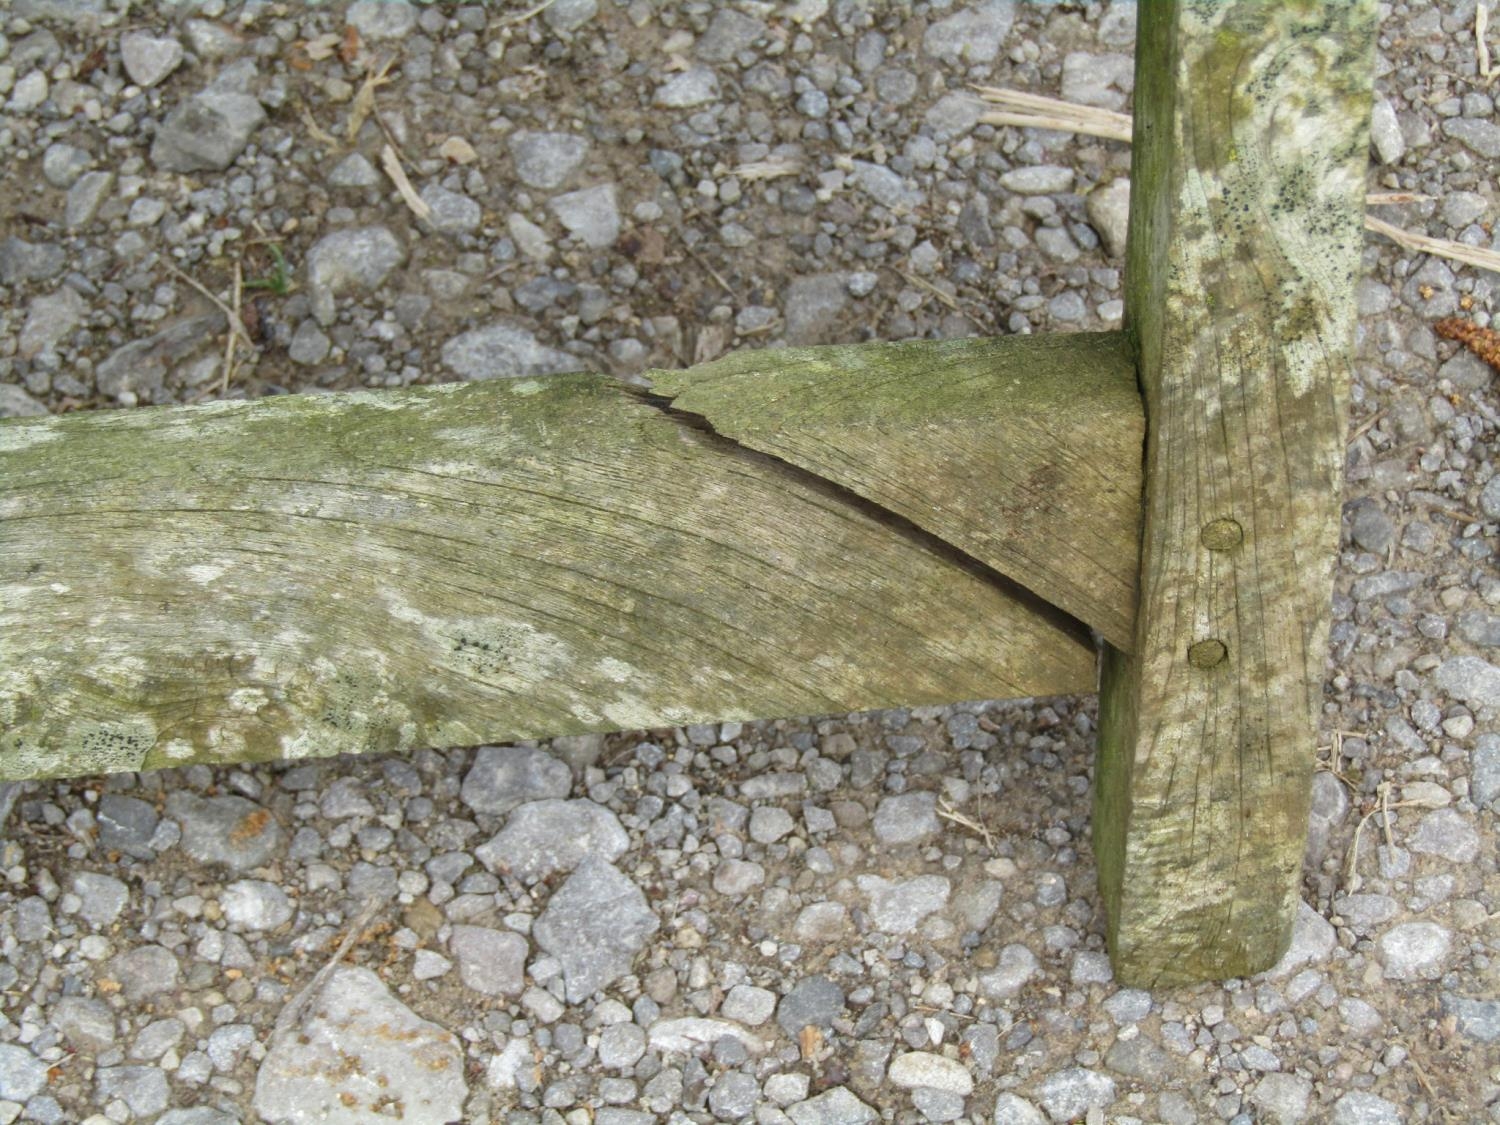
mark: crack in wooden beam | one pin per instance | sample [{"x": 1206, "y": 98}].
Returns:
[
  {"x": 897, "y": 523},
  {"x": 1022, "y": 453}
]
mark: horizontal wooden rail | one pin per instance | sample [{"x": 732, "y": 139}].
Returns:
[{"x": 437, "y": 566}]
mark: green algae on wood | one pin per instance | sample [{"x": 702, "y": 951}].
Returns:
[
  {"x": 1024, "y": 451},
  {"x": 381, "y": 571},
  {"x": 1251, "y": 126}
]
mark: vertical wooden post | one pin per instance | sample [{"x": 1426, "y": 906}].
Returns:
[{"x": 1250, "y": 149}]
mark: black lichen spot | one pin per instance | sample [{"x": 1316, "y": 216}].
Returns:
[
  {"x": 339, "y": 710},
  {"x": 482, "y": 657},
  {"x": 495, "y": 653},
  {"x": 114, "y": 746}
]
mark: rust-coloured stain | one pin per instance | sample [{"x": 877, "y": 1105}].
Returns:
[
  {"x": 250, "y": 826},
  {"x": 1483, "y": 342}
]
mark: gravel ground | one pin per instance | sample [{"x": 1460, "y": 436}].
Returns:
[{"x": 772, "y": 921}]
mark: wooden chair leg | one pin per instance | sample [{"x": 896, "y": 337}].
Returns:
[{"x": 1250, "y": 150}]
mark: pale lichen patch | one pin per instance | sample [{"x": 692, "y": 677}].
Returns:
[
  {"x": 585, "y": 714},
  {"x": 25, "y": 435},
  {"x": 616, "y": 670},
  {"x": 349, "y": 706},
  {"x": 630, "y": 711},
  {"x": 247, "y": 701},
  {"x": 459, "y": 470},
  {"x": 374, "y": 399},
  {"x": 465, "y": 437},
  {"x": 204, "y": 573},
  {"x": 12, "y": 596},
  {"x": 178, "y": 749},
  {"x": 291, "y": 637}
]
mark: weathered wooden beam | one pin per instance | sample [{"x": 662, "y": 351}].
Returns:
[
  {"x": 320, "y": 574},
  {"x": 962, "y": 439},
  {"x": 1251, "y": 124}
]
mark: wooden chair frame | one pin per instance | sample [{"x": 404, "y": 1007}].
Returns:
[{"x": 791, "y": 532}]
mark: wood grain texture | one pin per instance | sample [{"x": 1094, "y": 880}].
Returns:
[
  {"x": 1024, "y": 452},
  {"x": 313, "y": 575},
  {"x": 1251, "y": 125}
]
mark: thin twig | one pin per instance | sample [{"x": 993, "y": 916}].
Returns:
[
  {"x": 948, "y": 812},
  {"x": 9, "y": 791},
  {"x": 1383, "y": 807},
  {"x": 942, "y": 1012},
  {"x": 1385, "y": 821},
  {"x": 1453, "y": 512},
  {"x": 713, "y": 273},
  {"x": 947, "y": 299},
  {"x": 1481, "y": 48},
  {"x": 231, "y": 339},
  {"x": 1036, "y": 111},
  {"x": 1336, "y": 754},
  {"x": 1411, "y": 1056},
  {"x": 1057, "y": 124},
  {"x": 390, "y": 137},
  {"x": 364, "y": 99},
  {"x": 235, "y": 326},
  {"x": 766, "y": 169},
  {"x": 1366, "y": 426},
  {"x": 293, "y": 1009},
  {"x": 319, "y": 134}
]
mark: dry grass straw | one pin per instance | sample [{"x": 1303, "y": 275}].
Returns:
[
  {"x": 1482, "y": 48},
  {"x": 319, "y": 134},
  {"x": 364, "y": 99},
  {"x": 392, "y": 165},
  {"x": 948, "y": 812},
  {"x": 1383, "y": 807},
  {"x": 231, "y": 309},
  {"x": 1035, "y": 111},
  {"x": 767, "y": 169},
  {"x": 947, "y": 299},
  {"x": 1476, "y": 256},
  {"x": 530, "y": 13},
  {"x": 232, "y": 338}
]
